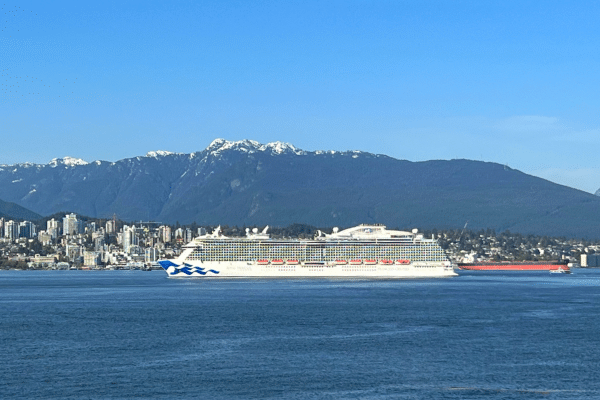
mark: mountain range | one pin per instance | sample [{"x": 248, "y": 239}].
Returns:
[{"x": 249, "y": 183}]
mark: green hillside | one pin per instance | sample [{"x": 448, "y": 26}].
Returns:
[{"x": 16, "y": 212}]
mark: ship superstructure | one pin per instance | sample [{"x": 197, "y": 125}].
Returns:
[{"x": 361, "y": 251}]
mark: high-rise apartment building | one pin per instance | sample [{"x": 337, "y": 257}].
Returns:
[
  {"x": 26, "y": 229},
  {"x": 111, "y": 227},
  {"x": 53, "y": 228},
  {"x": 129, "y": 238},
  {"x": 70, "y": 225},
  {"x": 165, "y": 233},
  {"x": 11, "y": 230},
  {"x": 99, "y": 242},
  {"x": 150, "y": 254}
]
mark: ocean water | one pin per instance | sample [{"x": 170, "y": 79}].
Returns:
[{"x": 121, "y": 334}]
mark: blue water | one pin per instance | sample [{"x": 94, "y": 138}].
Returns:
[{"x": 117, "y": 334}]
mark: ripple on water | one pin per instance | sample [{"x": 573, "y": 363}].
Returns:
[{"x": 72, "y": 334}]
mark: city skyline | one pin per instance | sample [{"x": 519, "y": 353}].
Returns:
[
  {"x": 511, "y": 83},
  {"x": 72, "y": 243}
]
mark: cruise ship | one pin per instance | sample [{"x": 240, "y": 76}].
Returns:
[{"x": 365, "y": 251}]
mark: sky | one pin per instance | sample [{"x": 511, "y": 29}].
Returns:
[{"x": 512, "y": 82}]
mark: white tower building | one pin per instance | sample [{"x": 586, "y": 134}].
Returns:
[
  {"x": 70, "y": 224},
  {"x": 53, "y": 228},
  {"x": 11, "y": 230}
]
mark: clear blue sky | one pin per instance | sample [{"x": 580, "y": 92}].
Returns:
[{"x": 514, "y": 82}]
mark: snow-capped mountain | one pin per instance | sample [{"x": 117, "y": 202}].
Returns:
[
  {"x": 247, "y": 182},
  {"x": 66, "y": 162},
  {"x": 250, "y": 146}
]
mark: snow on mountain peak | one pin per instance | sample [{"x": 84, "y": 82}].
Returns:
[
  {"x": 218, "y": 145},
  {"x": 252, "y": 146},
  {"x": 158, "y": 153},
  {"x": 67, "y": 161},
  {"x": 281, "y": 147}
]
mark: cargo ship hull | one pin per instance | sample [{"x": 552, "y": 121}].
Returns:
[{"x": 516, "y": 266}]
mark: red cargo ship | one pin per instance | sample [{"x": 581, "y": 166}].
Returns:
[{"x": 515, "y": 266}]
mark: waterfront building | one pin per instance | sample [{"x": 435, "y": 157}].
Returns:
[
  {"x": 48, "y": 261},
  {"x": 50, "y": 258},
  {"x": 62, "y": 265},
  {"x": 91, "y": 258},
  {"x": 590, "y": 260}
]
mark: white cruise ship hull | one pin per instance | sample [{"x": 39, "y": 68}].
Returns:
[
  {"x": 364, "y": 251},
  {"x": 253, "y": 270}
]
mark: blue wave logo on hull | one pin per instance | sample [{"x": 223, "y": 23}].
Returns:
[
  {"x": 166, "y": 264},
  {"x": 186, "y": 269}
]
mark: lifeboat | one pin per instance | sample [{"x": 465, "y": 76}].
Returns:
[
  {"x": 292, "y": 262},
  {"x": 371, "y": 262},
  {"x": 355, "y": 262},
  {"x": 404, "y": 262},
  {"x": 386, "y": 262},
  {"x": 277, "y": 262},
  {"x": 262, "y": 262},
  {"x": 341, "y": 262}
]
